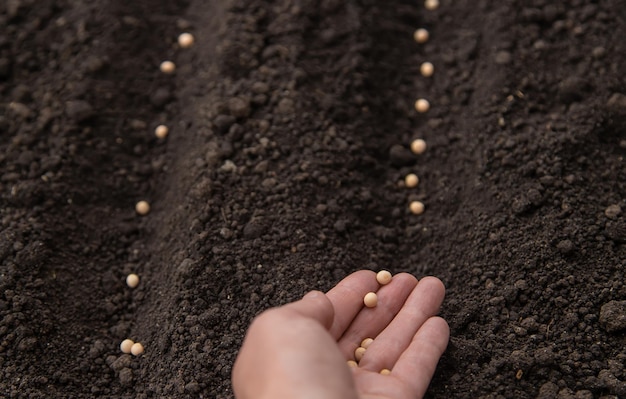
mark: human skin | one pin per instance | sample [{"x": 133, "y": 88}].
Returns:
[{"x": 300, "y": 350}]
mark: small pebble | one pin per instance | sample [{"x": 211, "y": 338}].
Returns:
[
  {"x": 422, "y": 105},
  {"x": 370, "y": 300},
  {"x": 385, "y": 371},
  {"x": 161, "y": 131},
  {"x": 167, "y": 67},
  {"x": 612, "y": 211},
  {"x": 366, "y": 343},
  {"x": 126, "y": 345},
  {"x": 358, "y": 353},
  {"x": 421, "y": 35},
  {"x": 418, "y": 146},
  {"x": 136, "y": 349},
  {"x": 411, "y": 180},
  {"x": 185, "y": 40},
  {"x": 427, "y": 69},
  {"x": 142, "y": 208},
  {"x": 383, "y": 277},
  {"x": 416, "y": 207},
  {"x": 431, "y": 4},
  {"x": 132, "y": 280}
]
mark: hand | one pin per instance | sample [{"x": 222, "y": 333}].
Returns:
[{"x": 300, "y": 350}]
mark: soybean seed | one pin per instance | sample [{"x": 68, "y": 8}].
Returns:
[
  {"x": 385, "y": 371},
  {"x": 416, "y": 207},
  {"x": 418, "y": 146},
  {"x": 422, "y": 105},
  {"x": 142, "y": 208},
  {"x": 411, "y": 180},
  {"x": 358, "y": 353},
  {"x": 383, "y": 277},
  {"x": 132, "y": 280},
  {"x": 370, "y": 300},
  {"x": 352, "y": 363},
  {"x": 185, "y": 40},
  {"x": 126, "y": 345},
  {"x": 161, "y": 131},
  {"x": 366, "y": 343},
  {"x": 168, "y": 67},
  {"x": 427, "y": 69},
  {"x": 136, "y": 349},
  {"x": 431, "y": 4},
  {"x": 421, "y": 35}
]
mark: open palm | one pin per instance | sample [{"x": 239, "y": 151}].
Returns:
[{"x": 300, "y": 350}]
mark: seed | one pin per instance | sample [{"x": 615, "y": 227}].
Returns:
[
  {"x": 136, "y": 349},
  {"x": 185, "y": 40},
  {"x": 422, "y": 105},
  {"x": 358, "y": 353},
  {"x": 416, "y": 207},
  {"x": 370, "y": 300},
  {"x": 383, "y": 277},
  {"x": 427, "y": 69},
  {"x": 421, "y": 35},
  {"x": 132, "y": 280},
  {"x": 418, "y": 146},
  {"x": 431, "y": 4},
  {"x": 161, "y": 131},
  {"x": 411, "y": 180},
  {"x": 366, "y": 343},
  {"x": 385, "y": 371},
  {"x": 126, "y": 345},
  {"x": 168, "y": 67},
  {"x": 352, "y": 363},
  {"x": 142, "y": 208}
]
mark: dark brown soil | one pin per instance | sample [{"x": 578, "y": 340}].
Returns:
[{"x": 290, "y": 122}]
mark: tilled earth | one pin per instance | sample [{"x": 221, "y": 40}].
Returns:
[{"x": 290, "y": 123}]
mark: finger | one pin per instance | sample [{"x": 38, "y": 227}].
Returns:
[
  {"x": 423, "y": 303},
  {"x": 314, "y": 305},
  {"x": 416, "y": 366},
  {"x": 371, "y": 321},
  {"x": 347, "y": 299}
]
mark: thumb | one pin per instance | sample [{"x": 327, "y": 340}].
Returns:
[{"x": 314, "y": 305}]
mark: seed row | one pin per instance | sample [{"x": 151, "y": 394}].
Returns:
[
  {"x": 142, "y": 208},
  {"x": 422, "y": 105}
]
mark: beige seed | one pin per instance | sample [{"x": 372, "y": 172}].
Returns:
[
  {"x": 422, "y": 105},
  {"x": 421, "y": 35},
  {"x": 385, "y": 371},
  {"x": 358, "y": 353},
  {"x": 383, "y": 277},
  {"x": 352, "y": 363},
  {"x": 431, "y": 4},
  {"x": 126, "y": 345},
  {"x": 142, "y": 208},
  {"x": 185, "y": 40},
  {"x": 136, "y": 349},
  {"x": 416, "y": 207},
  {"x": 418, "y": 146},
  {"x": 427, "y": 69},
  {"x": 161, "y": 131},
  {"x": 370, "y": 300},
  {"x": 411, "y": 180},
  {"x": 132, "y": 280},
  {"x": 366, "y": 342},
  {"x": 168, "y": 67}
]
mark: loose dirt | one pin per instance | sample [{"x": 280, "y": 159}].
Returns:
[{"x": 290, "y": 124}]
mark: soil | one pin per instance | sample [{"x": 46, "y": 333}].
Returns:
[{"x": 290, "y": 123}]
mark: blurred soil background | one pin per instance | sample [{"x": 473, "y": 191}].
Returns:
[{"x": 290, "y": 123}]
